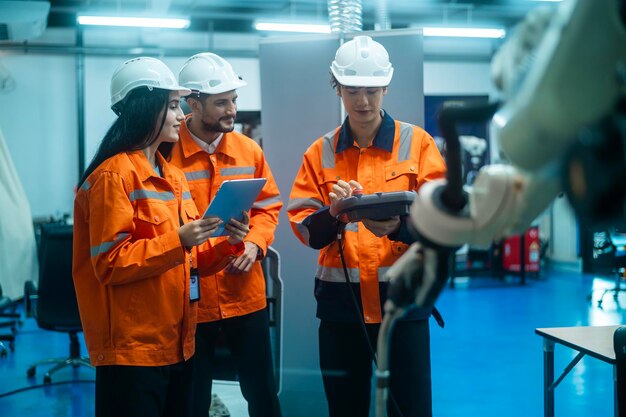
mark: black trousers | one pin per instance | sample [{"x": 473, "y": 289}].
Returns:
[
  {"x": 248, "y": 340},
  {"x": 144, "y": 391},
  {"x": 346, "y": 364}
]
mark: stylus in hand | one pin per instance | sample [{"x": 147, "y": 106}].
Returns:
[{"x": 340, "y": 191}]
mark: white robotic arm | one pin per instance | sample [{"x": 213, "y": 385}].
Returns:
[
  {"x": 503, "y": 200},
  {"x": 562, "y": 73},
  {"x": 570, "y": 80},
  {"x": 563, "y": 70}
]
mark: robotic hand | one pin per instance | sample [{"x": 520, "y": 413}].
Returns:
[{"x": 562, "y": 77}]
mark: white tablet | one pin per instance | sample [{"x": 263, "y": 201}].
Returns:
[{"x": 232, "y": 198}]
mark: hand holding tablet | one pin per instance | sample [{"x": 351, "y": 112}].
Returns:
[{"x": 232, "y": 198}]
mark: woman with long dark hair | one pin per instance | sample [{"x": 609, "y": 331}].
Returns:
[{"x": 136, "y": 262}]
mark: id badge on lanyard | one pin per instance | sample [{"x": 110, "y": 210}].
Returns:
[
  {"x": 194, "y": 276},
  {"x": 194, "y": 284}
]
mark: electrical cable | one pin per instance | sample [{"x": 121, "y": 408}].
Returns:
[
  {"x": 19, "y": 390},
  {"x": 382, "y": 368},
  {"x": 357, "y": 310}
]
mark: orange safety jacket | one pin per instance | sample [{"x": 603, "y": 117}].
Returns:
[
  {"x": 237, "y": 156},
  {"x": 401, "y": 158},
  {"x": 130, "y": 270}
]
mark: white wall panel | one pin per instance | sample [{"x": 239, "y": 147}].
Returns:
[{"x": 39, "y": 122}]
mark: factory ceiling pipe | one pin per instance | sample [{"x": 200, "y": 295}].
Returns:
[
  {"x": 345, "y": 16},
  {"x": 382, "y": 16}
]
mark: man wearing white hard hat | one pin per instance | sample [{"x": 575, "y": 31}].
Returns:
[
  {"x": 369, "y": 153},
  {"x": 232, "y": 301}
]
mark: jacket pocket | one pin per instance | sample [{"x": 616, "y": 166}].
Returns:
[
  {"x": 190, "y": 211},
  {"x": 401, "y": 176},
  {"x": 329, "y": 178},
  {"x": 152, "y": 220}
]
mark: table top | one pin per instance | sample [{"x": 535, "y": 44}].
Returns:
[{"x": 596, "y": 341}]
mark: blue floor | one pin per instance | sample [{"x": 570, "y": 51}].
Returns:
[
  {"x": 489, "y": 362},
  {"x": 63, "y": 398},
  {"x": 486, "y": 362}
]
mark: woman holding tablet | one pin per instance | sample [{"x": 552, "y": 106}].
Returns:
[{"x": 135, "y": 257}]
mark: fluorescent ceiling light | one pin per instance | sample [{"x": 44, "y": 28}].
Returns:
[
  {"x": 292, "y": 27},
  {"x": 149, "y": 22},
  {"x": 465, "y": 32}
]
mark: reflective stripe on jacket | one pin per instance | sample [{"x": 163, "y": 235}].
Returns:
[
  {"x": 131, "y": 272},
  {"x": 237, "y": 156},
  {"x": 401, "y": 158}
]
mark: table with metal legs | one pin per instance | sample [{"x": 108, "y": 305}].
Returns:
[{"x": 600, "y": 342}]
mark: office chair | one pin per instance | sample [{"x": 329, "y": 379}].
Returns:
[
  {"x": 274, "y": 290},
  {"x": 8, "y": 318},
  {"x": 7, "y": 337},
  {"x": 54, "y": 305},
  {"x": 618, "y": 243}
]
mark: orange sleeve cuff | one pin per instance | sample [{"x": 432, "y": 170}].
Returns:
[
  {"x": 238, "y": 249},
  {"x": 215, "y": 258}
]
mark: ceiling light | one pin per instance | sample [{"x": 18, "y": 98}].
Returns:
[
  {"x": 465, "y": 32},
  {"x": 149, "y": 22},
  {"x": 292, "y": 27}
]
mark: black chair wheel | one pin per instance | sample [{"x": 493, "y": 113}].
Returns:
[
  {"x": 30, "y": 372},
  {"x": 47, "y": 379}
]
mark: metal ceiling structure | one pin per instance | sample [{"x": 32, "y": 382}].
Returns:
[{"x": 239, "y": 15}]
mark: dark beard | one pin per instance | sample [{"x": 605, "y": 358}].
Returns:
[{"x": 216, "y": 127}]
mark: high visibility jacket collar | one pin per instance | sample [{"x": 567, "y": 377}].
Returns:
[
  {"x": 143, "y": 167},
  {"x": 383, "y": 139},
  {"x": 190, "y": 146}
]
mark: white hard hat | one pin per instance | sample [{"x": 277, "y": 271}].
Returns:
[
  {"x": 210, "y": 74},
  {"x": 142, "y": 72},
  {"x": 362, "y": 62}
]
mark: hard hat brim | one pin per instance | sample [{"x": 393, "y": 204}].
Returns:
[
  {"x": 354, "y": 81},
  {"x": 183, "y": 91},
  {"x": 221, "y": 88}
]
